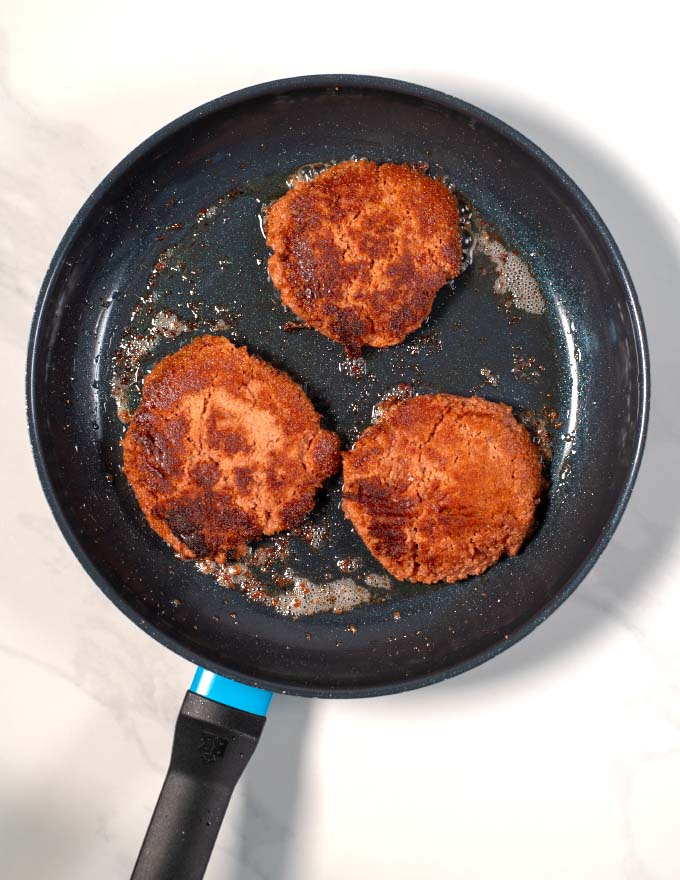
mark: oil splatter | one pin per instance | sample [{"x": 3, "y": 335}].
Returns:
[
  {"x": 489, "y": 377},
  {"x": 354, "y": 367},
  {"x": 402, "y": 391},
  {"x": 524, "y": 366},
  {"x": 297, "y": 596},
  {"x": 378, "y": 581},
  {"x": 315, "y": 535},
  {"x": 514, "y": 276},
  {"x": 537, "y": 426},
  {"x": 308, "y": 172},
  {"x": 348, "y": 564},
  {"x": 431, "y": 341}
]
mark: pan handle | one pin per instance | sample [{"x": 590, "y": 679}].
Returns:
[{"x": 217, "y": 730}]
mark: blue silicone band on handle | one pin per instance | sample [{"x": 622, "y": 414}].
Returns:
[{"x": 230, "y": 693}]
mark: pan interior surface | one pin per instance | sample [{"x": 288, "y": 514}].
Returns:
[{"x": 179, "y": 220}]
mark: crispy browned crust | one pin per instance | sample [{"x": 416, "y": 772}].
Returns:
[
  {"x": 223, "y": 449},
  {"x": 361, "y": 250},
  {"x": 442, "y": 487}
]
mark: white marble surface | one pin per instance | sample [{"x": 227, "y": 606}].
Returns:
[{"x": 559, "y": 759}]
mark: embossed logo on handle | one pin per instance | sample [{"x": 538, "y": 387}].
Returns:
[{"x": 212, "y": 747}]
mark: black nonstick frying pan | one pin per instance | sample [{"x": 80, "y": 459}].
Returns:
[{"x": 174, "y": 229}]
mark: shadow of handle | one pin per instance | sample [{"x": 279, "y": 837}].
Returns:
[{"x": 213, "y": 743}]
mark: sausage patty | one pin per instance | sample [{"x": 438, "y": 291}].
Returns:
[
  {"x": 361, "y": 250},
  {"x": 223, "y": 449},
  {"x": 442, "y": 487}
]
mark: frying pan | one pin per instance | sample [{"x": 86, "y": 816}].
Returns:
[{"x": 584, "y": 360}]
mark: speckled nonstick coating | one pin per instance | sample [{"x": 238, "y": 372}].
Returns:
[{"x": 590, "y": 343}]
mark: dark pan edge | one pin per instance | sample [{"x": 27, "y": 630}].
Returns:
[{"x": 399, "y": 87}]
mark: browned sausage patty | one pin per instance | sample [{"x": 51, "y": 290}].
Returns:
[
  {"x": 361, "y": 250},
  {"x": 223, "y": 449},
  {"x": 442, "y": 487}
]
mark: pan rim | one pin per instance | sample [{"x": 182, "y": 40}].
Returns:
[{"x": 304, "y": 83}]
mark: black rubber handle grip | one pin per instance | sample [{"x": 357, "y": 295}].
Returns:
[{"x": 212, "y": 745}]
